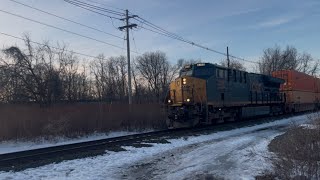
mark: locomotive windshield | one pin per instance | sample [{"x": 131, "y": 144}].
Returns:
[
  {"x": 201, "y": 70},
  {"x": 186, "y": 71}
]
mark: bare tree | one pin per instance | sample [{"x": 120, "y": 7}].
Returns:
[
  {"x": 39, "y": 74},
  {"x": 234, "y": 64},
  {"x": 119, "y": 69},
  {"x": 182, "y": 62},
  {"x": 140, "y": 88},
  {"x": 98, "y": 70},
  {"x": 110, "y": 78},
  {"x": 31, "y": 73},
  {"x": 308, "y": 64},
  {"x": 4, "y": 82},
  {"x": 68, "y": 68},
  {"x": 274, "y": 59},
  {"x": 156, "y": 71}
]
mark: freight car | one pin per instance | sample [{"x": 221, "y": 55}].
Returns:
[
  {"x": 206, "y": 93},
  {"x": 302, "y": 91}
]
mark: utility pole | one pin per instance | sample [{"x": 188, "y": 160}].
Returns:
[
  {"x": 127, "y": 27},
  {"x": 228, "y": 57}
]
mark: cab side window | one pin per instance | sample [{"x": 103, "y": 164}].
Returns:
[{"x": 220, "y": 73}]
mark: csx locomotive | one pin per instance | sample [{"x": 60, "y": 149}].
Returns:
[{"x": 206, "y": 93}]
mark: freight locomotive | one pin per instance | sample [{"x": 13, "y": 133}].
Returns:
[{"x": 206, "y": 93}]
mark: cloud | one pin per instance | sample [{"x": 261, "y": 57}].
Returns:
[
  {"x": 239, "y": 12},
  {"x": 276, "y": 22}
]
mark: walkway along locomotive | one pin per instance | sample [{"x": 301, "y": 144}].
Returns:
[{"x": 206, "y": 93}]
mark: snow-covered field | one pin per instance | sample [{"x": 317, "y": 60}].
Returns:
[{"x": 235, "y": 154}]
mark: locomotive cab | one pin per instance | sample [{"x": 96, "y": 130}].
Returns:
[
  {"x": 190, "y": 86},
  {"x": 188, "y": 93}
]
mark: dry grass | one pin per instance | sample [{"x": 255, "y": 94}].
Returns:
[
  {"x": 297, "y": 153},
  {"x": 32, "y": 121}
]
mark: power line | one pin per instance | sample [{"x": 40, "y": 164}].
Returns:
[
  {"x": 105, "y": 5},
  {"x": 75, "y": 4},
  {"x": 113, "y": 24},
  {"x": 174, "y": 36},
  {"x": 121, "y": 13},
  {"x": 66, "y": 19},
  {"x": 34, "y": 42},
  {"x": 83, "y": 4},
  {"x": 97, "y": 7},
  {"x": 164, "y": 34},
  {"x": 156, "y": 29},
  {"x": 161, "y": 31},
  {"x": 134, "y": 41},
  {"x": 197, "y": 45},
  {"x": 70, "y": 32}
]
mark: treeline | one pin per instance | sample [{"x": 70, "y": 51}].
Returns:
[
  {"x": 277, "y": 58},
  {"x": 289, "y": 58},
  {"x": 44, "y": 75}
]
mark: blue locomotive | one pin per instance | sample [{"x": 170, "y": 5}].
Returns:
[{"x": 206, "y": 93}]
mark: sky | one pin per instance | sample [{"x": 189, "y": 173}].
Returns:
[{"x": 247, "y": 27}]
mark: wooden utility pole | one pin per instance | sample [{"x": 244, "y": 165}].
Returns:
[{"x": 127, "y": 27}]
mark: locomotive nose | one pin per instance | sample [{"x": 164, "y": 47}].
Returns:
[
  {"x": 180, "y": 91},
  {"x": 186, "y": 90}
]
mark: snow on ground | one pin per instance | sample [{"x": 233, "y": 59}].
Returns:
[
  {"x": 235, "y": 157},
  {"x": 309, "y": 126},
  {"x": 14, "y": 146},
  {"x": 235, "y": 154}
]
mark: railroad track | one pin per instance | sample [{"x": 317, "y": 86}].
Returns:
[
  {"x": 18, "y": 161},
  {"x": 37, "y": 157}
]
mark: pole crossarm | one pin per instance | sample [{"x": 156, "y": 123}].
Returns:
[{"x": 129, "y": 26}]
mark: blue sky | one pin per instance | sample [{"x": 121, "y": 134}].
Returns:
[{"x": 246, "y": 26}]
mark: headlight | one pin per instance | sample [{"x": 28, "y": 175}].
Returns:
[
  {"x": 184, "y": 81},
  {"x": 188, "y": 100},
  {"x": 169, "y": 101}
]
